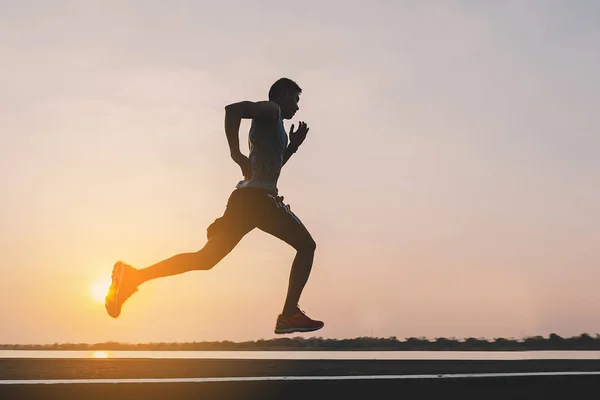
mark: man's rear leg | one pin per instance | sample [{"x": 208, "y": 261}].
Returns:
[
  {"x": 215, "y": 249},
  {"x": 126, "y": 279}
]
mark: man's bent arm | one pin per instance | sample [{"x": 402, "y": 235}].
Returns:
[
  {"x": 234, "y": 113},
  {"x": 232, "y": 130}
]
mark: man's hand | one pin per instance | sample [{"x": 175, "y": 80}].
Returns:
[
  {"x": 244, "y": 163},
  {"x": 296, "y": 138}
]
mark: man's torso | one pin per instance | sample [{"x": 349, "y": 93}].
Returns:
[{"x": 267, "y": 141}]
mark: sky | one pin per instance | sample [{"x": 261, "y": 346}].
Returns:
[{"x": 450, "y": 177}]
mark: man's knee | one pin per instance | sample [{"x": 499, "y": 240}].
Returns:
[
  {"x": 216, "y": 248},
  {"x": 307, "y": 244}
]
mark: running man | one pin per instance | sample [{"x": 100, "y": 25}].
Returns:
[{"x": 254, "y": 203}]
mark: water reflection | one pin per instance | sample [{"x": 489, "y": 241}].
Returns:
[{"x": 310, "y": 355}]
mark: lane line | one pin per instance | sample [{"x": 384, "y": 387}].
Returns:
[{"x": 290, "y": 378}]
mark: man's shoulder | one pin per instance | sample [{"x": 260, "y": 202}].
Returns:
[{"x": 268, "y": 121}]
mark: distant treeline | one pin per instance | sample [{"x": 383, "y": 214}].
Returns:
[{"x": 552, "y": 342}]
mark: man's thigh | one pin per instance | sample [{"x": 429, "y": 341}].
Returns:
[
  {"x": 277, "y": 219},
  {"x": 238, "y": 218}
]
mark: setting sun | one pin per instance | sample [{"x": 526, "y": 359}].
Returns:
[{"x": 99, "y": 289}]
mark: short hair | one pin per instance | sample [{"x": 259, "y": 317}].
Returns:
[{"x": 282, "y": 86}]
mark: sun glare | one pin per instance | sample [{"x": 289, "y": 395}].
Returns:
[
  {"x": 99, "y": 289},
  {"x": 100, "y": 354}
]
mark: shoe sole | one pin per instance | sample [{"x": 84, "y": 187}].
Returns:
[
  {"x": 117, "y": 289},
  {"x": 292, "y": 330}
]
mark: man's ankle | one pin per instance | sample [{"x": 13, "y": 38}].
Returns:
[
  {"x": 137, "y": 278},
  {"x": 289, "y": 311},
  {"x": 138, "y": 281}
]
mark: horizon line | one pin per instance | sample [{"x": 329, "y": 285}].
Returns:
[{"x": 389, "y": 338}]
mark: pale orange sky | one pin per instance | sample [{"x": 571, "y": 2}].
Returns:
[{"x": 451, "y": 175}]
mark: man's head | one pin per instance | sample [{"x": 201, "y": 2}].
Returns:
[{"x": 286, "y": 93}]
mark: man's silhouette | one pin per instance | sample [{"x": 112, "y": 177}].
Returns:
[{"x": 254, "y": 203}]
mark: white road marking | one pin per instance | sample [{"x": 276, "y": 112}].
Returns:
[{"x": 292, "y": 378}]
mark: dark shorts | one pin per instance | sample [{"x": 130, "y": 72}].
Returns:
[{"x": 249, "y": 208}]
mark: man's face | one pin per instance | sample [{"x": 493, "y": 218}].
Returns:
[{"x": 289, "y": 105}]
